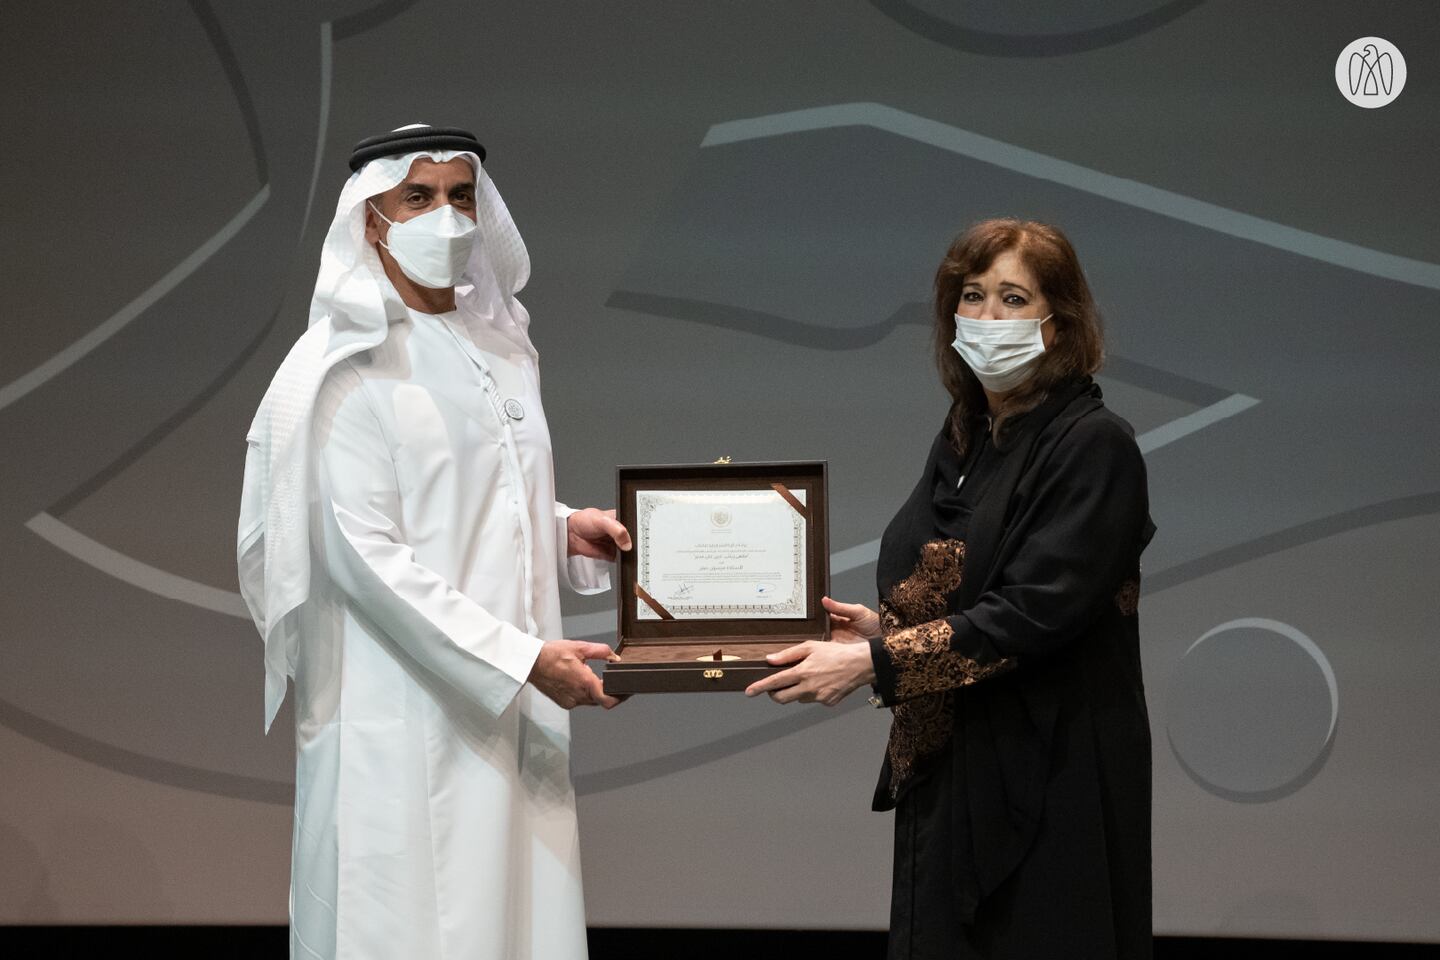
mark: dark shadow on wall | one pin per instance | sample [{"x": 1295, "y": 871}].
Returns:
[{"x": 958, "y": 36}]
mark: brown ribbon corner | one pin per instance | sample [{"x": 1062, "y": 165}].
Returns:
[
  {"x": 791, "y": 499},
  {"x": 653, "y": 603}
]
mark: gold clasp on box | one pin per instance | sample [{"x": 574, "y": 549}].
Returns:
[{"x": 714, "y": 673}]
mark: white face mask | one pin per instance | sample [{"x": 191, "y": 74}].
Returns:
[
  {"x": 1002, "y": 353},
  {"x": 433, "y": 248}
]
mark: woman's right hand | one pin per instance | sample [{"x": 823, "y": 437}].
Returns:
[{"x": 851, "y": 622}]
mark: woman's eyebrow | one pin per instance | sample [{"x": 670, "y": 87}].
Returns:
[{"x": 1004, "y": 283}]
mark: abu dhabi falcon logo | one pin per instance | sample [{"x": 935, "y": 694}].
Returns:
[{"x": 1370, "y": 72}]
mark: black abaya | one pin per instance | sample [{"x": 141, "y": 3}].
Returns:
[{"x": 1019, "y": 756}]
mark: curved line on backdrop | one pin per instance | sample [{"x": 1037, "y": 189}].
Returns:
[
  {"x": 341, "y": 28},
  {"x": 970, "y": 40},
  {"x": 1177, "y": 206},
  {"x": 1400, "y": 508},
  {"x": 1294, "y": 636},
  {"x": 771, "y": 326},
  {"x": 165, "y": 772},
  {"x": 1291, "y": 786},
  {"x": 327, "y": 70},
  {"x": 360, "y": 21},
  {"x": 146, "y": 443},
  {"x": 121, "y": 318},
  {"x": 236, "y": 78},
  {"x": 1300, "y": 779},
  {"x": 138, "y": 574}
]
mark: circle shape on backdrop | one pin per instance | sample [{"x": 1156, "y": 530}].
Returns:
[
  {"x": 1253, "y": 708},
  {"x": 1370, "y": 72}
]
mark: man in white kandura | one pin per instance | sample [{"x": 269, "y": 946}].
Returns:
[{"x": 401, "y": 551}]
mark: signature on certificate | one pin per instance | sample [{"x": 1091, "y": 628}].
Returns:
[{"x": 683, "y": 592}]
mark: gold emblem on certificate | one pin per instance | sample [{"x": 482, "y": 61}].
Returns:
[{"x": 713, "y": 554}]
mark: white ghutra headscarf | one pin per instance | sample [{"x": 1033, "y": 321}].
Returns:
[{"x": 350, "y": 311}]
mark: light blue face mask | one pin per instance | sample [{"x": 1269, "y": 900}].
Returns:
[{"x": 1001, "y": 353}]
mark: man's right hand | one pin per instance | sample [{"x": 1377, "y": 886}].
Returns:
[{"x": 560, "y": 673}]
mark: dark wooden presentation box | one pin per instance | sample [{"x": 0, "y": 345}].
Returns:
[{"x": 660, "y": 656}]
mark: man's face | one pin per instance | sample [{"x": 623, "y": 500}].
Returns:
[{"x": 428, "y": 186}]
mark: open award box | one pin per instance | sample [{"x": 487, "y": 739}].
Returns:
[{"x": 729, "y": 563}]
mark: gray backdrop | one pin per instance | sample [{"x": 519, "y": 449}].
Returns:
[{"x": 734, "y": 212}]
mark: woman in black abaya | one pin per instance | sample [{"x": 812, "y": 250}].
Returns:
[{"x": 1006, "y": 639}]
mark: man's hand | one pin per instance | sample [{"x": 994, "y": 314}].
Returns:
[
  {"x": 824, "y": 672},
  {"x": 595, "y": 533},
  {"x": 560, "y": 673}
]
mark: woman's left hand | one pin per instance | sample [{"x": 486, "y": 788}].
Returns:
[{"x": 823, "y": 671}]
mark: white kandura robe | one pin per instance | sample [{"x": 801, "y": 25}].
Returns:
[{"x": 434, "y": 816}]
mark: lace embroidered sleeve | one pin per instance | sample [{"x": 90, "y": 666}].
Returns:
[{"x": 919, "y": 660}]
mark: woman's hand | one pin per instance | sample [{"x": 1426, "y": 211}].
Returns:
[
  {"x": 827, "y": 672},
  {"x": 851, "y": 622}
]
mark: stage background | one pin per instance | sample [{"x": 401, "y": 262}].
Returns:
[{"x": 734, "y": 212}]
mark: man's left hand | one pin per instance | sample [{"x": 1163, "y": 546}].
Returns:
[{"x": 595, "y": 534}]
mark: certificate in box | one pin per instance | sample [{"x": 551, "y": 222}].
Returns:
[{"x": 730, "y": 561}]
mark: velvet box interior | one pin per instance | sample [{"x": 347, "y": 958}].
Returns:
[{"x": 662, "y": 653}]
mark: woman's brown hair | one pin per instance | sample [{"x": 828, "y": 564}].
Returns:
[{"x": 1078, "y": 348}]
